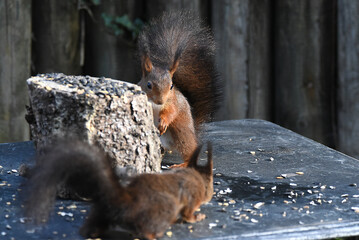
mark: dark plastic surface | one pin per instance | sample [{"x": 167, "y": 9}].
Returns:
[{"x": 315, "y": 196}]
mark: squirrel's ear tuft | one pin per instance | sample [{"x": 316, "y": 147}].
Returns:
[
  {"x": 146, "y": 64},
  {"x": 174, "y": 67}
]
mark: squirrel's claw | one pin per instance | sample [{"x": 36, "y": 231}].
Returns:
[
  {"x": 181, "y": 165},
  {"x": 162, "y": 126}
]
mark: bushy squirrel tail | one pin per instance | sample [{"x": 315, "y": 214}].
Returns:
[
  {"x": 180, "y": 39},
  {"x": 83, "y": 168}
]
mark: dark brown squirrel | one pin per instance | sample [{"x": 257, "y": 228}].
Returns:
[
  {"x": 145, "y": 207},
  {"x": 179, "y": 78}
]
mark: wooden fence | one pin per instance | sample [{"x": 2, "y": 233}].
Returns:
[{"x": 292, "y": 62}]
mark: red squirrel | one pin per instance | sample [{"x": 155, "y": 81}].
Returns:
[
  {"x": 179, "y": 78},
  {"x": 145, "y": 207}
]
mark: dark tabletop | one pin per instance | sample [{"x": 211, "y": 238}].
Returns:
[{"x": 270, "y": 183}]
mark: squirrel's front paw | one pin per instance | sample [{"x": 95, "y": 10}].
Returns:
[{"x": 162, "y": 126}]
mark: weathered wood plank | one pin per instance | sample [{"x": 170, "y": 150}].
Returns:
[
  {"x": 56, "y": 45},
  {"x": 15, "y": 65},
  {"x": 305, "y": 67},
  {"x": 107, "y": 54},
  {"x": 156, "y": 7},
  {"x": 348, "y": 77},
  {"x": 260, "y": 60},
  {"x": 242, "y": 33}
]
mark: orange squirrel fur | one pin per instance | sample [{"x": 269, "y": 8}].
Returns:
[
  {"x": 145, "y": 207},
  {"x": 179, "y": 78}
]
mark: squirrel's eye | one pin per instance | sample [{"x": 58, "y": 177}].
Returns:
[
  {"x": 171, "y": 86},
  {"x": 149, "y": 85}
]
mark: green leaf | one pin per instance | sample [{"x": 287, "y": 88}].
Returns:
[
  {"x": 107, "y": 19},
  {"x": 96, "y": 2},
  {"x": 125, "y": 22}
]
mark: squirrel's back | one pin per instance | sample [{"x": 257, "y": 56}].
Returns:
[{"x": 181, "y": 36}]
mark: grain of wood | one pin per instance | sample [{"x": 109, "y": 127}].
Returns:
[
  {"x": 242, "y": 34},
  {"x": 56, "y": 37},
  {"x": 305, "y": 68},
  {"x": 348, "y": 77},
  {"x": 107, "y": 54},
  {"x": 15, "y": 62}
]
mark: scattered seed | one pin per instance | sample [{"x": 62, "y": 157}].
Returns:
[
  {"x": 258, "y": 205},
  {"x": 345, "y": 195},
  {"x": 63, "y": 214},
  {"x": 293, "y": 184},
  {"x": 223, "y": 192},
  {"x": 211, "y": 225},
  {"x": 30, "y": 231},
  {"x": 271, "y": 159},
  {"x": 254, "y": 220},
  {"x": 253, "y": 153},
  {"x": 72, "y": 206},
  {"x": 299, "y": 173},
  {"x": 169, "y": 234}
]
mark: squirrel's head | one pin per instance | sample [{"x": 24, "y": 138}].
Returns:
[
  {"x": 157, "y": 82},
  {"x": 206, "y": 171}
]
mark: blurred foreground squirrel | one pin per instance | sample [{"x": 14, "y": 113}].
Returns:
[
  {"x": 146, "y": 206},
  {"x": 179, "y": 78}
]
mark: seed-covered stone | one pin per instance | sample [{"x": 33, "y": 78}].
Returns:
[{"x": 114, "y": 114}]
